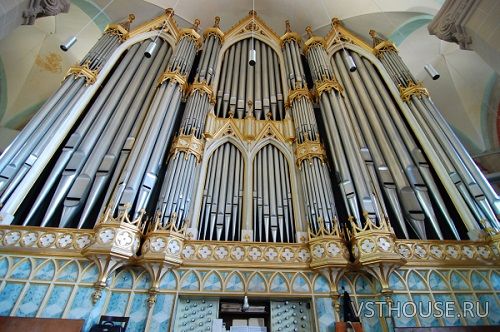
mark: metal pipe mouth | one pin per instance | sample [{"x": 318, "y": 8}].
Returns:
[
  {"x": 350, "y": 62},
  {"x": 150, "y": 50},
  {"x": 252, "y": 57},
  {"x": 67, "y": 45},
  {"x": 433, "y": 73}
]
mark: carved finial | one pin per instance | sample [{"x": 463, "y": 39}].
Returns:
[
  {"x": 309, "y": 31},
  {"x": 252, "y": 13},
  {"x": 196, "y": 24},
  {"x": 217, "y": 21},
  {"x": 373, "y": 33},
  {"x": 169, "y": 12},
  {"x": 131, "y": 18},
  {"x": 335, "y": 22},
  {"x": 249, "y": 112},
  {"x": 287, "y": 25},
  {"x": 269, "y": 115}
]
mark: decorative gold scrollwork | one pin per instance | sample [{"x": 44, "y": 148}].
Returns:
[
  {"x": 413, "y": 89},
  {"x": 174, "y": 76},
  {"x": 327, "y": 85},
  {"x": 296, "y": 94},
  {"x": 188, "y": 144},
  {"x": 309, "y": 150},
  {"x": 202, "y": 87},
  {"x": 83, "y": 71}
]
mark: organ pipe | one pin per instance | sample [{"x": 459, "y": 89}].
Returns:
[
  {"x": 473, "y": 189},
  {"x": 31, "y": 150},
  {"x": 183, "y": 166},
  {"x": 315, "y": 178}
]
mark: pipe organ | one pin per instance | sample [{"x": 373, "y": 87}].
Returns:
[{"x": 193, "y": 158}]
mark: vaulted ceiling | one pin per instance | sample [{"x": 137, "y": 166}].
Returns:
[{"x": 33, "y": 65}]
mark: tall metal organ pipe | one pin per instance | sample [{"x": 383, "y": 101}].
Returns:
[
  {"x": 360, "y": 199},
  {"x": 221, "y": 218},
  {"x": 240, "y": 82},
  {"x": 25, "y": 158},
  {"x": 318, "y": 192},
  {"x": 183, "y": 166},
  {"x": 139, "y": 176},
  {"x": 472, "y": 195},
  {"x": 104, "y": 127}
]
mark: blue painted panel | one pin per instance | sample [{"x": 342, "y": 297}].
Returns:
[
  {"x": 9, "y": 296},
  {"x": 324, "y": 314},
  {"x": 395, "y": 282},
  {"x": 162, "y": 312},
  {"x": 234, "y": 283},
  {"x": 425, "y": 313},
  {"x": 82, "y": 303},
  {"x": 57, "y": 301},
  {"x": 300, "y": 285},
  {"x": 369, "y": 319},
  {"x": 470, "y": 316},
  {"x": 4, "y": 266},
  {"x": 278, "y": 284},
  {"x": 400, "y": 319},
  {"x": 32, "y": 300},
  {"x": 190, "y": 282},
  {"x": 168, "y": 281},
  {"x": 138, "y": 313},
  {"x": 22, "y": 271},
  {"x": 458, "y": 282},
  {"x": 124, "y": 279},
  {"x": 69, "y": 272},
  {"x": 212, "y": 283},
  {"x": 437, "y": 282},
  {"x": 257, "y": 284},
  {"x": 45, "y": 272},
  {"x": 489, "y": 307},
  {"x": 450, "y": 318},
  {"x": 117, "y": 303},
  {"x": 416, "y": 282},
  {"x": 144, "y": 282}
]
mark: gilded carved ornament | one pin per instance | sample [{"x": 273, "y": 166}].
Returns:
[
  {"x": 165, "y": 21},
  {"x": 174, "y": 76},
  {"x": 188, "y": 144},
  {"x": 308, "y": 150},
  {"x": 83, "y": 71},
  {"x": 215, "y": 31},
  {"x": 202, "y": 87},
  {"x": 313, "y": 40},
  {"x": 121, "y": 29},
  {"x": 326, "y": 85},
  {"x": 413, "y": 89},
  {"x": 381, "y": 45},
  {"x": 252, "y": 22},
  {"x": 191, "y": 33},
  {"x": 339, "y": 34},
  {"x": 289, "y": 36}
]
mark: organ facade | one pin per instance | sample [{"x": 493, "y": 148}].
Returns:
[{"x": 168, "y": 188}]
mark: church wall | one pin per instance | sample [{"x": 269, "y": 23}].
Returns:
[{"x": 60, "y": 287}]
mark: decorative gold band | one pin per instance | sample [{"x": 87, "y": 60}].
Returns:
[
  {"x": 188, "y": 144},
  {"x": 309, "y": 150},
  {"x": 413, "y": 89},
  {"x": 83, "y": 71}
]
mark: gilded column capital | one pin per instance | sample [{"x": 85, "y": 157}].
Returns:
[
  {"x": 191, "y": 33},
  {"x": 308, "y": 150}
]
